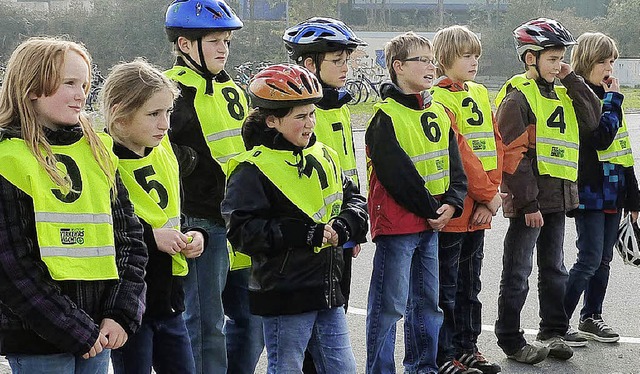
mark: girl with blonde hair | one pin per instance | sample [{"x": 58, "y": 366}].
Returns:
[
  {"x": 71, "y": 252},
  {"x": 137, "y": 102}
]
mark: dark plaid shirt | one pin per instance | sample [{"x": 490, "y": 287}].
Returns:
[{"x": 41, "y": 316}]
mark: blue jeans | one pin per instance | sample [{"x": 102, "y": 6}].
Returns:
[
  {"x": 597, "y": 234},
  {"x": 460, "y": 256},
  {"x": 161, "y": 343},
  {"x": 205, "y": 314},
  {"x": 245, "y": 340},
  {"x": 404, "y": 283},
  {"x": 324, "y": 332},
  {"x": 517, "y": 263},
  {"x": 63, "y": 363}
]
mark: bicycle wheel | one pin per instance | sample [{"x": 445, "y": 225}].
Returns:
[{"x": 354, "y": 89}]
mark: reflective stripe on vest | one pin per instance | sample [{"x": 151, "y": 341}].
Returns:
[
  {"x": 221, "y": 114},
  {"x": 619, "y": 151},
  {"x": 424, "y": 136},
  {"x": 333, "y": 128},
  {"x": 557, "y": 136},
  {"x": 74, "y": 228},
  {"x": 153, "y": 183},
  {"x": 472, "y": 109},
  {"x": 317, "y": 191}
]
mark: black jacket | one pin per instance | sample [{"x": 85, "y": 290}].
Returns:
[
  {"x": 202, "y": 177},
  {"x": 165, "y": 292},
  {"x": 287, "y": 277}
]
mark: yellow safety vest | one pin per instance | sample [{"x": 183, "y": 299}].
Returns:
[
  {"x": 424, "y": 136},
  {"x": 472, "y": 109},
  {"x": 317, "y": 192},
  {"x": 153, "y": 183},
  {"x": 619, "y": 152},
  {"x": 221, "y": 114},
  {"x": 557, "y": 136},
  {"x": 333, "y": 128},
  {"x": 74, "y": 228}
]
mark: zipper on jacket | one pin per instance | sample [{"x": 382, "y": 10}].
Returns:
[
  {"x": 284, "y": 262},
  {"x": 329, "y": 294}
]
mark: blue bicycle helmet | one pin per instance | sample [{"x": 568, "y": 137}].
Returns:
[
  {"x": 203, "y": 16},
  {"x": 318, "y": 35}
]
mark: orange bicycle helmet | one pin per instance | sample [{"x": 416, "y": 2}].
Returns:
[{"x": 284, "y": 86}]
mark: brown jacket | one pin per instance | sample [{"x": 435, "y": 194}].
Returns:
[{"x": 527, "y": 190}]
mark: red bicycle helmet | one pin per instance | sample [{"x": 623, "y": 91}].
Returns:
[
  {"x": 284, "y": 86},
  {"x": 541, "y": 33}
]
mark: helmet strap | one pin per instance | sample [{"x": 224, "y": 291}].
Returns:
[
  {"x": 318, "y": 62},
  {"x": 201, "y": 67}
]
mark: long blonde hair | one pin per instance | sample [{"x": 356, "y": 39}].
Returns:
[
  {"x": 35, "y": 69},
  {"x": 127, "y": 89},
  {"x": 453, "y": 42}
]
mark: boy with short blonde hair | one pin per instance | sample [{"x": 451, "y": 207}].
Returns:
[
  {"x": 461, "y": 242},
  {"x": 416, "y": 184}
]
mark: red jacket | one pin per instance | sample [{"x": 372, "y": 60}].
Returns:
[{"x": 398, "y": 201}]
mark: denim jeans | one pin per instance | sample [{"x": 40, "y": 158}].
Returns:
[
  {"x": 161, "y": 343},
  {"x": 205, "y": 314},
  {"x": 324, "y": 332},
  {"x": 597, "y": 234},
  {"x": 243, "y": 330},
  {"x": 517, "y": 263},
  {"x": 460, "y": 256},
  {"x": 63, "y": 363},
  {"x": 404, "y": 283}
]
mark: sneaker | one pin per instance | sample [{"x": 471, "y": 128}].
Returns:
[
  {"x": 595, "y": 328},
  {"x": 558, "y": 348},
  {"x": 477, "y": 361},
  {"x": 574, "y": 339},
  {"x": 530, "y": 354},
  {"x": 455, "y": 367}
]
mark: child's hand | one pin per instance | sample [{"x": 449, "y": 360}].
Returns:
[
  {"x": 634, "y": 217},
  {"x": 482, "y": 215},
  {"x": 98, "y": 346},
  {"x": 534, "y": 219},
  {"x": 196, "y": 246},
  {"x": 446, "y": 212},
  {"x": 496, "y": 202},
  {"x": 114, "y": 332},
  {"x": 330, "y": 236},
  {"x": 565, "y": 69},
  {"x": 170, "y": 241},
  {"x": 356, "y": 250},
  {"x": 611, "y": 84}
]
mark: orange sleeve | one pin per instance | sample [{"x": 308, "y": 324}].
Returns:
[{"x": 481, "y": 188}]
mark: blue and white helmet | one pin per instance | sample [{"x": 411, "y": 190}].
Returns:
[
  {"x": 318, "y": 35},
  {"x": 199, "y": 16}
]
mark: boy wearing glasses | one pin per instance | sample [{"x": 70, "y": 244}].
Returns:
[
  {"x": 323, "y": 46},
  {"x": 416, "y": 185},
  {"x": 461, "y": 242}
]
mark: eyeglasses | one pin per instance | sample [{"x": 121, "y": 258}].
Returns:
[
  {"x": 339, "y": 62},
  {"x": 423, "y": 59}
]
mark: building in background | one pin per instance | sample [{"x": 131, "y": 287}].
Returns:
[{"x": 46, "y": 6}]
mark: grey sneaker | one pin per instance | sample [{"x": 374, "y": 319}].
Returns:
[
  {"x": 558, "y": 348},
  {"x": 530, "y": 354},
  {"x": 574, "y": 339},
  {"x": 595, "y": 328}
]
